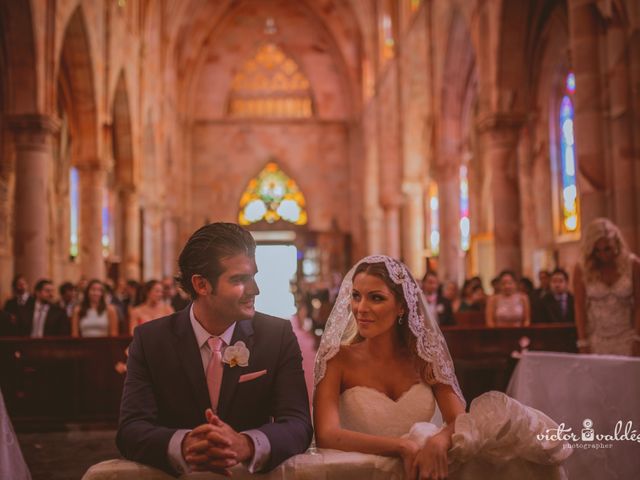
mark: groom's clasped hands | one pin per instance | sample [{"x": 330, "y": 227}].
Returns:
[{"x": 215, "y": 446}]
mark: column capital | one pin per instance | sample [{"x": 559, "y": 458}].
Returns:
[
  {"x": 32, "y": 131},
  {"x": 492, "y": 121}
]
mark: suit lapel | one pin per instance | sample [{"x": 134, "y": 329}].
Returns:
[
  {"x": 242, "y": 333},
  {"x": 189, "y": 354}
]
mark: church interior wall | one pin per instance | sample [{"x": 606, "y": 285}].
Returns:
[{"x": 462, "y": 77}]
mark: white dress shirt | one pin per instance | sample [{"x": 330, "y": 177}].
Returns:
[
  {"x": 40, "y": 311},
  {"x": 262, "y": 447}
]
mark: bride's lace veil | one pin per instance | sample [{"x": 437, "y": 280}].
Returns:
[{"x": 431, "y": 346}]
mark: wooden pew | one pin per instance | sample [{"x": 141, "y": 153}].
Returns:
[{"x": 50, "y": 382}]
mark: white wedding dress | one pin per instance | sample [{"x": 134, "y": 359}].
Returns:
[{"x": 495, "y": 440}]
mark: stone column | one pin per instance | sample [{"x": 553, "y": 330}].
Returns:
[
  {"x": 625, "y": 192},
  {"x": 33, "y": 139},
  {"x": 130, "y": 205},
  {"x": 584, "y": 31},
  {"x": 92, "y": 187},
  {"x": 499, "y": 140},
  {"x": 169, "y": 253},
  {"x": 392, "y": 229},
  {"x": 413, "y": 228},
  {"x": 375, "y": 232},
  {"x": 448, "y": 178}
]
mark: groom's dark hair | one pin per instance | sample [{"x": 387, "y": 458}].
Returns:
[{"x": 207, "y": 247}]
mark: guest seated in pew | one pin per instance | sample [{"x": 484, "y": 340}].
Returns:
[
  {"x": 40, "y": 316},
  {"x": 557, "y": 305},
  {"x": 439, "y": 306},
  {"x": 473, "y": 297},
  {"x": 153, "y": 306},
  {"x": 94, "y": 317},
  {"x": 509, "y": 308}
]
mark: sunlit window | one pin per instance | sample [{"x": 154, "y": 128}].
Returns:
[
  {"x": 465, "y": 224},
  {"x": 74, "y": 189},
  {"x": 568, "y": 166},
  {"x": 434, "y": 220},
  {"x": 414, "y": 5},
  {"x": 272, "y": 196},
  {"x": 388, "y": 41},
  {"x": 270, "y": 84}
]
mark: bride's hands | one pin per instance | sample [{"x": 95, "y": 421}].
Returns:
[
  {"x": 431, "y": 461},
  {"x": 408, "y": 451}
]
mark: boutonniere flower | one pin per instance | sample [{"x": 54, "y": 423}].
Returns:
[
  {"x": 237, "y": 354},
  {"x": 440, "y": 308}
]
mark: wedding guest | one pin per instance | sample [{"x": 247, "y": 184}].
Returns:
[
  {"x": 67, "y": 300},
  {"x": 558, "y": 305},
  {"x": 20, "y": 297},
  {"x": 152, "y": 307},
  {"x": 94, "y": 317},
  {"x": 41, "y": 316},
  {"x": 544, "y": 277},
  {"x": 439, "y": 306},
  {"x": 607, "y": 292},
  {"x": 509, "y": 308},
  {"x": 451, "y": 292}
]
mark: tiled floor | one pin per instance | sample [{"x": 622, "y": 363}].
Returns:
[{"x": 66, "y": 455}]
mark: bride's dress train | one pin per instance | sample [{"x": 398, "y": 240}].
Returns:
[{"x": 495, "y": 440}]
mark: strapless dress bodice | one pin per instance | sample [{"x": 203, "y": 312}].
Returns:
[{"x": 367, "y": 410}]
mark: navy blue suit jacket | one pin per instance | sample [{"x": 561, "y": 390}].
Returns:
[{"x": 166, "y": 390}]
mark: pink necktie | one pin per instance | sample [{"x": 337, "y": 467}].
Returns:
[{"x": 214, "y": 371}]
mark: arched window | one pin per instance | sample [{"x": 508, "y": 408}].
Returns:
[
  {"x": 465, "y": 223},
  {"x": 569, "y": 200},
  {"x": 74, "y": 198},
  {"x": 271, "y": 85},
  {"x": 272, "y": 196},
  {"x": 434, "y": 220},
  {"x": 386, "y": 31}
]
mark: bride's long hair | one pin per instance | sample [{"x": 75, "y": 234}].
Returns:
[{"x": 408, "y": 339}]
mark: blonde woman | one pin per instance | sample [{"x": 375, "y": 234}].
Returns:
[{"x": 607, "y": 293}]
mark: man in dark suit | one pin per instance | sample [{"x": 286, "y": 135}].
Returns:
[
  {"x": 558, "y": 305},
  {"x": 439, "y": 306},
  {"x": 41, "y": 317},
  {"x": 20, "y": 297},
  {"x": 217, "y": 383}
]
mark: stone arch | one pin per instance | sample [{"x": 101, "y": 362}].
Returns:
[
  {"x": 75, "y": 73},
  {"x": 122, "y": 137},
  {"x": 16, "y": 26},
  {"x": 457, "y": 114}
]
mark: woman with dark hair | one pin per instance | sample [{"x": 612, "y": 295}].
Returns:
[
  {"x": 509, "y": 308},
  {"x": 94, "y": 317},
  {"x": 152, "y": 305},
  {"x": 384, "y": 377}
]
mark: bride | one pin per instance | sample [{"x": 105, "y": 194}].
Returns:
[{"x": 382, "y": 373}]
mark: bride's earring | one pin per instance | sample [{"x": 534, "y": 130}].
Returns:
[{"x": 400, "y": 319}]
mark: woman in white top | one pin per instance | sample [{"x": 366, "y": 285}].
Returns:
[
  {"x": 508, "y": 308},
  {"x": 94, "y": 317}
]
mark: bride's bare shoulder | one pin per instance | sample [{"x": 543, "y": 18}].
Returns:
[{"x": 346, "y": 354}]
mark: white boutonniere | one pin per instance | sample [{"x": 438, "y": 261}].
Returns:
[
  {"x": 440, "y": 308},
  {"x": 237, "y": 354}
]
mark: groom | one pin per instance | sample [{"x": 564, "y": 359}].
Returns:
[{"x": 217, "y": 383}]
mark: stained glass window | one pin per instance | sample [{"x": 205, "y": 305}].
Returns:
[
  {"x": 434, "y": 220},
  {"x": 414, "y": 5},
  {"x": 106, "y": 223},
  {"x": 73, "y": 211},
  {"x": 270, "y": 84},
  {"x": 388, "y": 42},
  {"x": 465, "y": 223},
  {"x": 272, "y": 196},
  {"x": 569, "y": 187}
]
